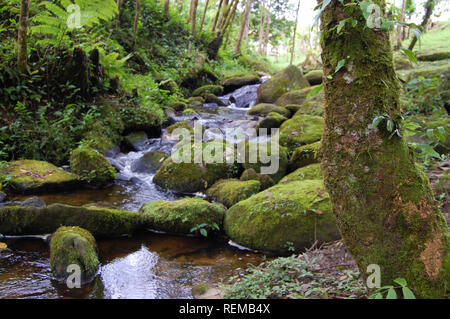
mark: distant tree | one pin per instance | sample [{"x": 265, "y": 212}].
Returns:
[
  {"x": 429, "y": 7},
  {"x": 22, "y": 54},
  {"x": 294, "y": 34},
  {"x": 244, "y": 24}
]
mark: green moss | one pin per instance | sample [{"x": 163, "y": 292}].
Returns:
[
  {"x": 135, "y": 139},
  {"x": 196, "y": 100},
  {"x": 264, "y": 109},
  {"x": 231, "y": 191},
  {"x": 272, "y": 120},
  {"x": 143, "y": 118},
  {"x": 298, "y": 97},
  {"x": 189, "y": 111},
  {"x": 313, "y": 171},
  {"x": 314, "y": 77},
  {"x": 289, "y": 79},
  {"x": 297, "y": 213},
  {"x": 311, "y": 108},
  {"x": 73, "y": 246},
  {"x": 305, "y": 155},
  {"x": 28, "y": 176},
  {"x": 101, "y": 222},
  {"x": 301, "y": 130},
  {"x": 434, "y": 56},
  {"x": 235, "y": 82},
  {"x": 181, "y": 216},
  {"x": 192, "y": 177},
  {"x": 92, "y": 166},
  {"x": 264, "y": 180},
  {"x": 178, "y": 125},
  {"x": 208, "y": 89},
  {"x": 179, "y": 106}
]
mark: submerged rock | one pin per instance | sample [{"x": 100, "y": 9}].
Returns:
[
  {"x": 301, "y": 130},
  {"x": 73, "y": 246},
  {"x": 289, "y": 79},
  {"x": 283, "y": 217},
  {"x": 185, "y": 216},
  {"x": 101, "y": 222},
  {"x": 29, "y": 177},
  {"x": 136, "y": 140},
  {"x": 149, "y": 162},
  {"x": 232, "y": 191},
  {"x": 33, "y": 202},
  {"x": 92, "y": 167}
]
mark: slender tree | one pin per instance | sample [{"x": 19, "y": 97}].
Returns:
[
  {"x": 429, "y": 7},
  {"x": 136, "y": 21},
  {"x": 383, "y": 203},
  {"x": 193, "y": 19},
  {"x": 294, "y": 34},
  {"x": 216, "y": 18},
  {"x": 22, "y": 54},
  {"x": 204, "y": 16},
  {"x": 244, "y": 23},
  {"x": 267, "y": 28},
  {"x": 261, "y": 27},
  {"x": 400, "y": 30},
  {"x": 166, "y": 7}
]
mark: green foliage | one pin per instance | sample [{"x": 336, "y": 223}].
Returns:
[
  {"x": 390, "y": 292},
  {"x": 203, "y": 228},
  {"x": 423, "y": 95}
]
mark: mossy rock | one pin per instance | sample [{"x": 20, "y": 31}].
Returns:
[
  {"x": 196, "y": 100},
  {"x": 208, "y": 89},
  {"x": 181, "y": 216},
  {"x": 402, "y": 63},
  {"x": 299, "y": 97},
  {"x": 73, "y": 246},
  {"x": 194, "y": 175},
  {"x": 284, "y": 81},
  {"x": 136, "y": 140},
  {"x": 211, "y": 98},
  {"x": 312, "y": 108},
  {"x": 305, "y": 155},
  {"x": 253, "y": 149},
  {"x": 169, "y": 85},
  {"x": 179, "y": 125},
  {"x": 33, "y": 202},
  {"x": 233, "y": 83},
  {"x": 179, "y": 106},
  {"x": 147, "y": 119},
  {"x": 293, "y": 108},
  {"x": 101, "y": 222},
  {"x": 189, "y": 111},
  {"x": 250, "y": 174},
  {"x": 314, "y": 77},
  {"x": 30, "y": 177},
  {"x": 301, "y": 130},
  {"x": 232, "y": 191},
  {"x": 149, "y": 162},
  {"x": 92, "y": 167},
  {"x": 313, "y": 171},
  {"x": 283, "y": 217},
  {"x": 272, "y": 120},
  {"x": 264, "y": 109},
  {"x": 435, "y": 56}
]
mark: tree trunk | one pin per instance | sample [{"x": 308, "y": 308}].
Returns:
[
  {"x": 244, "y": 23},
  {"x": 216, "y": 18},
  {"x": 22, "y": 54},
  {"x": 230, "y": 16},
  {"x": 400, "y": 28},
  {"x": 293, "y": 34},
  {"x": 429, "y": 7},
  {"x": 383, "y": 203},
  {"x": 204, "y": 16},
  {"x": 166, "y": 7},
  {"x": 193, "y": 18},
  {"x": 261, "y": 27},
  {"x": 136, "y": 22},
  {"x": 267, "y": 28}
]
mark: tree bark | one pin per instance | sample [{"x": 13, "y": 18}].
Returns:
[
  {"x": 136, "y": 22},
  {"x": 267, "y": 28},
  {"x": 193, "y": 18},
  {"x": 22, "y": 54},
  {"x": 261, "y": 27},
  {"x": 294, "y": 34},
  {"x": 383, "y": 203},
  {"x": 166, "y": 7},
  {"x": 429, "y": 7},
  {"x": 216, "y": 18},
  {"x": 244, "y": 23}
]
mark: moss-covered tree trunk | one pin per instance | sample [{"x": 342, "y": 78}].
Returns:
[
  {"x": 22, "y": 55},
  {"x": 384, "y": 206}
]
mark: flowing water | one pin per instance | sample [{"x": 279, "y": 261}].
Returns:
[{"x": 147, "y": 265}]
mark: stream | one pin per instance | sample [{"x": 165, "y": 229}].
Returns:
[{"x": 147, "y": 265}]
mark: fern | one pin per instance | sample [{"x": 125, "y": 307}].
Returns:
[{"x": 52, "y": 22}]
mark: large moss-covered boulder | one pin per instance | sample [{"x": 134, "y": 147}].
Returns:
[
  {"x": 194, "y": 174},
  {"x": 73, "y": 246},
  {"x": 233, "y": 83},
  {"x": 299, "y": 97},
  {"x": 264, "y": 109},
  {"x": 289, "y": 79},
  {"x": 313, "y": 171},
  {"x": 196, "y": 100},
  {"x": 136, "y": 140},
  {"x": 210, "y": 89},
  {"x": 285, "y": 216},
  {"x": 311, "y": 108},
  {"x": 402, "y": 63},
  {"x": 179, "y": 106},
  {"x": 211, "y": 98},
  {"x": 277, "y": 161},
  {"x": 140, "y": 118},
  {"x": 231, "y": 191},
  {"x": 250, "y": 174},
  {"x": 149, "y": 162},
  {"x": 101, "y": 222},
  {"x": 433, "y": 56},
  {"x": 314, "y": 77},
  {"x": 185, "y": 216},
  {"x": 29, "y": 176},
  {"x": 301, "y": 130},
  {"x": 92, "y": 167},
  {"x": 272, "y": 120},
  {"x": 305, "y": 155}
]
